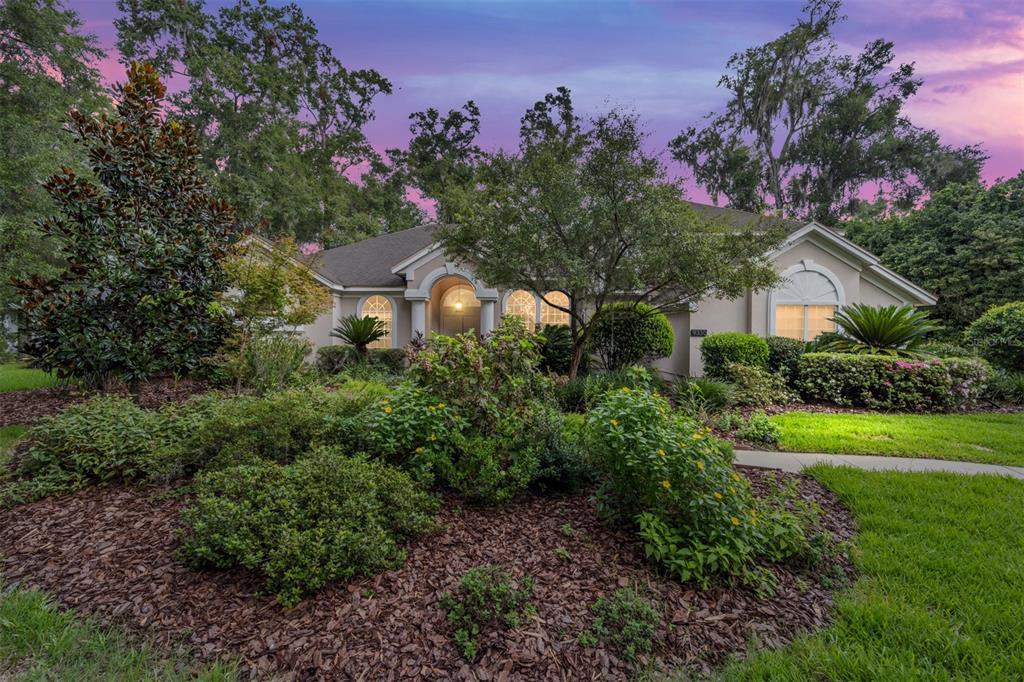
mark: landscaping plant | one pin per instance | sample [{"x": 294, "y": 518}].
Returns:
[
  {"x": 896, "y": 331},
  {"x": 784, "y": 357},
  {"x": 756, "y": 386},
  {"x": 758, "y": 428},
  {"x": 556, "y": 350},
  {"x": 718, "y": 351},
  {"x": 360, "y": 332},
  {"x": 327, "y": 517},
  {"x": 626, "y": 334},
  {"x": 626, "y": 620},
  {"x": 486, "y": 598},
  {"x": 998, "y": 335}
]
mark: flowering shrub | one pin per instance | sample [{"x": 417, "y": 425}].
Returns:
[
  {"x": 882, "y": 382},
  {"x": 696, "y": 515}
]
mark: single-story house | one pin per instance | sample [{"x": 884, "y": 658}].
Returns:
[{"x": 406, "y": 280}]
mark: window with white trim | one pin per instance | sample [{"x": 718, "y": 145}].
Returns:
[
  {"x": 803, "y": 305},
  {"x": 379, "y": 307},
  {"x": 549, "y": 314},
  {"x": 521, "y": 303}
]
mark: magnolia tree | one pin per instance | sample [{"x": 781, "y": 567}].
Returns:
[
  {"x": 143, "y": 242},
  {"x": 583, "y": 209}
]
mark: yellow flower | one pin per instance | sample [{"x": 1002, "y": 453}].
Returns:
[
  {"x": 433, "y": 436},
  {"x": 700, "y": 465},
  {"x": 419, "y": 450},
  {"x": 732, "y": 489},
  {"x": 718, "y": 495},
  {"x": 387, "y": 409},
  {"x": 697, "y": 436},
  {"x": 735, "y": 476},
  {"x": 615, "y": 422},
  {"x": 666, "y": 485},
  {"x": 625, "y": 389},
  {"x": 735, "y": 521},
  {"x": 661, "y": 453},
  {"x": 440, "y": 406}
]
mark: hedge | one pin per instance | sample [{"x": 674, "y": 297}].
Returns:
[
  {"x": 882, "y": 382},
  {"x": 999, "y": 336},
  {"x": 721, "y": 350},
  {"x": 627, "y": 334}
]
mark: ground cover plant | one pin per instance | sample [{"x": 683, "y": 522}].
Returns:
[
  {"x": 40, "y": 641},
  {"x": 17, "y": 377},
  {"x": 940, "y": 585},
  {"x": 486, "y": 598},
  {"x": 626, "y": 619},
  {"x": 988, "y": 437}
]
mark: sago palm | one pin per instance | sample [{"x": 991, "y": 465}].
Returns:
[
  {"x": 360, "y": 332},
  {"x": 900, "y": 331}
]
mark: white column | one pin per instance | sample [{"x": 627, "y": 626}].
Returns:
[
  {"x": 335, "y": 318},
  {"x": 419, "y": 317},
  {"x": 486, "y": 317}
]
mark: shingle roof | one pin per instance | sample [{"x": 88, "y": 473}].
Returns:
[{"x": 368, "y": 263}]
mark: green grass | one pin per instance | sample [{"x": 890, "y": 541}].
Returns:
[
  {"x": 940, "y": 593},
  {"x": 15, "y": 377},
  {"x": 8, "y": 436},
  {"x": 40, "y": 642},
  {"x": 990, "y": 438}
]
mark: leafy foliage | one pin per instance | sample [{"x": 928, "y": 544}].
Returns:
[
  {"x": 583, "y": 392},
  {"x": 807, "y": 127},
  {"x": 758, "y": 428},
  {"x": 486, "y": 598},
  {"x": 631, "y": 334},
  {"x": 144, "y": 245},
  {"x": 282, "y": 118},
  {"x": 718, "y": 351},
  {"x": 897, "y": 331},
  {"x": 884, "y": 382},
  {"x": 46, "y": 68},
  {"x": 756, "y": 386},
  {"x": 267, "y": 363},
  {"x": 584, "y": 209},
  {"x": 999, "y": 336},
  {"x": 325, "y": 518},
  {"x": 700, "y": 397},
  {"x": 965, "y": 244},
  {"x": 332, "y": 360},
  {"x": 360, "y": 332},
  {"x": 626, "y": 620},
  {"x": 557, "y": 349},
  {"x": 784, "y": 356}
]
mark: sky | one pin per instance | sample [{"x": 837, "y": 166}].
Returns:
[{"x": 662, "y": 59}]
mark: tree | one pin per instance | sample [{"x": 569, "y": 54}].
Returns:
[
  {"x": 965, "y": 244},
  {"x": 360, "y": 332},
  {"x": 590, "y": 213},
  {"x": 281, "y": 116},
  {"x": 144, "y": 244},
  {"x": 442, "y": 152},
  {"x": 807, "y": 129},
  {"x": 45, "y": 69}
]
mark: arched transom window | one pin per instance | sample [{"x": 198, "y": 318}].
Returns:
[
  {"x": 803, "y": 305},
  {"x": 379, "y": 307},
  {"x": 522, "y": 304},
  {"x": 549, "y": 314}
]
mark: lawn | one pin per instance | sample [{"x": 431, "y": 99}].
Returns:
[
  {"x": 15, "y": 377},
  {"x": 940, "y": 593},
  {"x": 990, "y": 438},
  {"x": 40, "y": 642},
  {"x": 8, "y": 435}
]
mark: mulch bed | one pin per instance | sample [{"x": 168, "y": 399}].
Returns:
[
  {"x": 30, "y": 405},
  {"x": 112, "y": 553}
]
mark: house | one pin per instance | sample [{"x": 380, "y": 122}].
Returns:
[{"x": 405, "y": 279}]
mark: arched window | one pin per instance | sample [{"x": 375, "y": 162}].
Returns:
[
  {"x": 379, "y": 307},
  {"x": 804, "y": 303},
  {"x": 550, "y": 314},
  {"x": 459, "y": 298},
  {"x": 522, "y": 304}
]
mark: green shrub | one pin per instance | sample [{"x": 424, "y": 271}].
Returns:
[
  {"x": 701, "y": 397},
  {"x": 486, "y": 598},
  {"x": 784, "y": 357},
  {"x": 331, "y": 360},
  {"x": 106, "y": 439},
  {"x": 626, "y": 620},
  {"x": 1006, "y": 386},
  {"x": 562, "y": 466},
  {"x": 882, "y": 382},
  {"x": 556, "y": 350},
  {"x": 696, "y": 516},
  {"x": 756, "y": 386},
  {"x": 324, "y": 518},
  {"x": 583, "y": 392},
  {"x": 493, "y": 469},
  {"x": 721, "y": 350},
  {"x": 945, "y": 349},
  {"x": 998, "y": 336},
  {"x": 759, "y": 429},
  {"x": 626, "y": 334}
]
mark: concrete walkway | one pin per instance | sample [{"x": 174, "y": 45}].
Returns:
[{"x": 795, "y": 461}]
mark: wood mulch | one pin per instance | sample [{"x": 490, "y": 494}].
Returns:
[
  {"x": 112, "y": 553},
  {"x": 30, "y": 405}
]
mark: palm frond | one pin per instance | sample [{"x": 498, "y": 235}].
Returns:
[
  {"x": 899, "y": 331},
  {"x": 360, "y": 332}
]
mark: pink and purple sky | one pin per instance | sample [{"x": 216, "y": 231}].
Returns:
[{"x": 661, "y": 58}]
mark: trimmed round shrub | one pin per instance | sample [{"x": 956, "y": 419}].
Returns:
[
  {"x": 325, "y": 518},
  {"x": 784, "y": 356},
  {"x": 999, "y": 336},
  {"x": 886, "y": 383},
  {"x": 721, "y": 350},
  {"x": 626, "y": 334}
]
